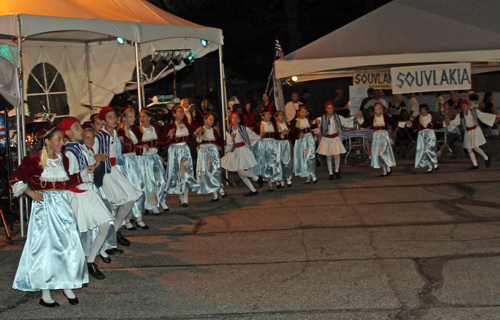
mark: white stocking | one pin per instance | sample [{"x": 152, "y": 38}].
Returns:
[
  {"x": 337, "y": 162},
  {"x": 186, "y": 196},
  {"x": 123, "y": 213},
  {"x": 329, "y": 164},
  {"x": 245, "y": 180},
  {"x": 472, "y": 157},
  {"x": 481, "y": 153},
  {"x": 243, "y": 173},
  {"x": 384, "y": 168},
  {"x": 69, "y": 293},
  {"x": 98, "y": 241},
  {"x": 215, "y": 195},
  {"x": 46, "y": 296}
]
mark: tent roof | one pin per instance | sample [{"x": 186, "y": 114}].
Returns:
[
  {"x": 93, "y": 20},
  {"x": 404, "y": 32}
]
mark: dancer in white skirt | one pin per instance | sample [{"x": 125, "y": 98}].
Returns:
[
  {"x": 239, "y": 157},
  {"x": 382, "y": 155},
  {"x": 180, "y": 174},
  {"x": 304, "y": 132},
  {"x": 90, "y": 210},
  {"x": 119, "y": 191},
  {"x": 151, "y": 165},
  {"x": 52, "y": 257},
  {"x": 208, "y": 168},
  {"x": 284, "y": 151},
  {"x": 330, "y": 131},
  {"x": 131, "y": 168},
  {"x": 473, "y": 136},
  {"x": 425, "y": 154},
  {"x": 266, "y": 150}
]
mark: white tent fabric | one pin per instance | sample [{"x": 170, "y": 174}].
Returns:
[
  {"x": 9, "y": 84},
  {"x": 403, "y": 32},
  {"x": 58, "y": 31}
]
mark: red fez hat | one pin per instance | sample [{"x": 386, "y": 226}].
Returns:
[
  {"x": 103, "y": 112},
  {"x": 67, "y": 123},
  {"x": 464, "y": 102},
  {"x": 42, "y": 133},
  {"x": 424, "y": 105},
  {"x": 87, "y": 126},
  {"x": 328, "y": 103},
  {"x": 147, "y": 110}
]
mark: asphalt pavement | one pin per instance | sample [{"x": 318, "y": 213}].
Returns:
[{"x": 408, "y": 246}]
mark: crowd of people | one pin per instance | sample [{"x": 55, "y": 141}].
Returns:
[{"x": 90, "y": 180}]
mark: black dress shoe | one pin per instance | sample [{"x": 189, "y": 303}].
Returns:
[
  {"x": 131, "y": 228},
  {"x": 271, "y": 189},
  {"x": 307, "y": 182},
  {"x": 144, "y": 227},
  {"x": 48, "y": 305},
  {"x": 436, "y": 168},
  {"x": 214, "y": 200},
  {"x": 251, "y": 193},
  {"x": 121, "y": 239},
  {"x": 185, "y": 205},
  {"x": 383, "y": 175},
  {"x": 315, "y": 180},
  {"x": 260, "y": 182},
  {"x": 224, "y": 195},
  {"x": 73, "y": 301},
  {"x": 474, "y": 167},
  {"x": 94, "y": 271},
  {"x": 278, "y": 185},
  {"x": 331, "y": 177},
  {"x": 114, "y": 251},
  {"x": 337, "y": 175},
  {"x": 105, "y": 259},
  {"x": 289, "y": 184},
  {"x": 488, "y": 162},
  {"x": 389, "y": 172}
]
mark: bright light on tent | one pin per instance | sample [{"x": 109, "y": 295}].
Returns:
[
  {"x": 188, "y": 59},
  {"x": 294, "y": 78},
  {"x": 120, "y": 40},
  {"x": 204, "y": 42}
]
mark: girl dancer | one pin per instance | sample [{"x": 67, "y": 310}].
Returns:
[
  {"x": 151, "y": 165},
  {"x": 331, "y": 143},
  {"x": 266, "y": 150},
  {"x": 239, "y": 158},
  {"x": 304, "y": 153},
  {"x": 180, "y": 174},
  {"x": 208, "y": 169},
  {"x": 284, "y": 151},
  {"x": 118, "y": 190},
  {"x": 473, "y": 136},
  {"x": 90, "y": 211},
  {"x": 52, "y": 257},
  {"x": 131, "y": 168},
  {"x": 425, "y": 123},
  {"x": 382, "y": 155}
]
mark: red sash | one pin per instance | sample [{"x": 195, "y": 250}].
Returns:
[
  {"x": 112, "y": 161},
  {"x": 240, "y": 144},
  {"x": 471, "y": 128},
  {"x": 331, "y": 136}
]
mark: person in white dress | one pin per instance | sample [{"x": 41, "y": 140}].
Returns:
[
  {"x": 292, "y": 107},
  {"x": 239, "y": 157},
  {"x": 330, "y": 125},
  {"x": 473, "y": 136}
]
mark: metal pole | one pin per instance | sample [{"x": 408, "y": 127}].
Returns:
[
  {"x": 138, "y": 73},
  {"x": 19, "y": 114},
  {"x": 89, "y": 80},
  {"x": 223, "y": 91}
]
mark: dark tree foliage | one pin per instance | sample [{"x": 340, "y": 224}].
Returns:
[{"x": 250, "y": 26}]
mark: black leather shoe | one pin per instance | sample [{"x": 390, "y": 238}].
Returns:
[
  {"x": 389, "y": 172},
  {"x": 330, "y": 177},
  {"x": 73, "y": 301},
  {"x": 144, "y": 227},
  {"x": 488, "y": 162},
  {"x": 383, "y": 175},
  {"x": 260, "y": 182},
  {"x": 289, "y": 184},
  {"x": 278, "y": 185},
  {"x": 271, "y": 189},
  {"x": 105, "y": 259},
  {"x": 436, "y": 168},
  {"x": 48, "y": 305},
  {"x": 94, "y": 271},
  {"x": 251, "y": 193},
  {"x": 307, "y": 182},
  {"x": 185, "y": 205},
  {"x": 214, "y": 200},
  {"x": 315, "y": 180},
  {"x": 121, "y": 239},
  {"x": 224, "y": 195},
  {"x": 337, "y": 175},
  {"x": 132, "y": 228},
  {"x": 474, "y": 167},
  {"x": 114, "y": 251}
]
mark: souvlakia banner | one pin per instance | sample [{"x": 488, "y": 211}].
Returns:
[{"x": 436, "y": 77}]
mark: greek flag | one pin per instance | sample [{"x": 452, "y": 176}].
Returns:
[{"x": 279, "y": 50}]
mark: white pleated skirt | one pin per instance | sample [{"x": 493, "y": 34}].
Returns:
[
  {"x": 239, "y": 159},
  {"x": 90, "y": 210},
  {"x": 474, "y": 138},
  {"x": 118, "y": 189},
  {"x": 330, "y": 146}
]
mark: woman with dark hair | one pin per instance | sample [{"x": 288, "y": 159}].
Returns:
[
  {"x": 267, "y": 105},
  {"x": 53, "y": 257},
  {"x": 249, "y": 117}
]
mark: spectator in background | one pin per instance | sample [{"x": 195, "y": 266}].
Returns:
[
  {"x": 96, "y": 123},
  {"x": 473, "y": 101},
  {"x": 363, "y": 107},
  {"x": 396, "y": 106},
  {"x": 235, "y": 99},
  {"x": 488, "y": 101},
  {"x": 306, "y": 95},
  {"x": 413, "y": 106},
  {"x": 249, "y": 118},
  {"x": 439, "y": 102},
  {"x": 266, "y": 105},
  {"x": 449, "y": 113},
  {"x": 339, "y": 104},
  {"x": 456, "y": 100},
  {"x": 292, "y": 106}
]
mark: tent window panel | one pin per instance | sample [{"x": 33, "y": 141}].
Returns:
[
  {"x": 37, "y": 104},
  {"x": 46, "y": 91}
]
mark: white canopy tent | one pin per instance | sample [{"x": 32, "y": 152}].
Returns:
[
  {"x": 403, "y": 32},
  {"x": 78, "y": 38}
]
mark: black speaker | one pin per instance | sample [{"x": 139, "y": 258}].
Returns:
[{"x": 200, "y": 77}]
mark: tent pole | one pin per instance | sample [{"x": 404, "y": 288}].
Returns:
[
  {"x": 20, "y": 116},
  {"x": 89, "y": 80},
  {"x": 138, "y": 74},
  {"x": 223, "y": 91}
]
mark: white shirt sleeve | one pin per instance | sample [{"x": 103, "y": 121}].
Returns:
[
  {"x": 229, "y": 142},
  {"x": 454, "y": 123},
  {"x": 253, "y": 137},
  {"x": 347, "y": 122},
  {"x": 95, "y": 147},
  {"x": 486, "y": 118},
  {"x": 73, "y": 162},
  {"x": 290, "y": 111}
]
